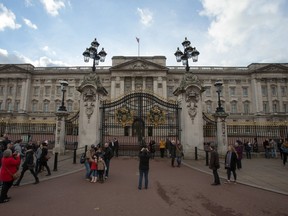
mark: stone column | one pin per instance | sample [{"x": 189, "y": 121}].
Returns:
[
  {"x": 189, "y": 96},
  {"x": 222, "y": 139},
  {"x": 91, "y": 91},
  {"x": 60, "y": 132}
]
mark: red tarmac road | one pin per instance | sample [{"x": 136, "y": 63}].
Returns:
[{"x": 172, "y": 191}]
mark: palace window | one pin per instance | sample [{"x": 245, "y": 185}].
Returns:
[
  {"x": 246, "y": 107},
  {"x": 264, "y": 91},
  {"x": 283, "y": 91},
  {"x": 274, "y": 91},
  {"x": 275, "y": 106},
  {"x": 47, "y": 90},
  {"x": 208, "y": 91},
  {"x": 36, "y": 90},
  {"x": 232, "y": 91},
  {"x": 245, "y": 92},
  {"x": 265, "y": 107},
  {"x": 234, "y": 107},
  {"x": 46, "y": 106},
  {"x": 34, "y": 106}
]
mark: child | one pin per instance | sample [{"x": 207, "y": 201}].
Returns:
[
  {"x": 101, "y": 168},
  {"x": 94, "y": 168}
]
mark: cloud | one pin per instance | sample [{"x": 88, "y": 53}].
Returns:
[
  {"x": 245, "y": 31},
  {"x": 28, "y": 3},
  {"x": 53, "y": 6},
  {"x": 18, "y": 58},
  {"x": 48, "y": 50},
  {"x": 7, "y": 19},
  {"x": 3, "y": 52},
  {"x": 29, "y": 23},
  {"x": 146, "y": 16}
]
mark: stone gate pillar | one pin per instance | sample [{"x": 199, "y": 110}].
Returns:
[
  {"x": 191, "y": 117},
  {"x": 60, "y": 132},
  {"x": 91, "y": 91},
  {"x": 222, "y": 138}
]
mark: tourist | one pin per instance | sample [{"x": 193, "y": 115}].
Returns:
[
  {"x": 230, "y": 163},
  {"x": 108, "y": 154},
  {"x": 179, "y": 153},
  {"x": 144, "y": 157},
  {"x": 152, "y": 148},
  {"x": 116, "y": 147},
  {"x": 93, "y": 168},
  {"x": 239, "y": 150},
  {"x": 173, "y": 152},
  {"x": 162, "y": 146},
  {"x": 214, "y": 163},
  {"x": 28, "y": 164},
  {"x": 44, "y": 158},
  {"x": 38, "y": 153},
  {"x": 284, "y": 148},
  {"x": 101, "y": 166},
  {"x": 10, "y": 164}
]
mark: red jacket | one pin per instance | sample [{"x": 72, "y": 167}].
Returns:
[{"x": 9, "y": 166}]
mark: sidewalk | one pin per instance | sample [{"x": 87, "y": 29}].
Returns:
[{"x": 267, "y": 174}]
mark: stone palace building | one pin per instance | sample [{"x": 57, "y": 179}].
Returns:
[{"x": 257, "y": 92}]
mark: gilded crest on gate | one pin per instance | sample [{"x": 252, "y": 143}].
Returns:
[
  {"x": 124, "y": 116},
  {"x": 156, "y": 116}
]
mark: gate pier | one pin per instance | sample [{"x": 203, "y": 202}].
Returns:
[
  {"x": 191, "y": 117},
  {"x": 91, "y": 91}
]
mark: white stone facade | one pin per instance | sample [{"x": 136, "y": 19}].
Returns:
[{"x": 257, "y": 92}]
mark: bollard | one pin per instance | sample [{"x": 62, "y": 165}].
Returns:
[
  {"x": 55, "y": 161},
  {"x": 85, "y": 148},
  {"x": 207, "y": 158},
  {"x": 196, "y": 153},
  {"x": 74, "y": 156}
]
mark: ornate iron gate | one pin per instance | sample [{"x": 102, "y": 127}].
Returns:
[{"x": 136, "y": 116}]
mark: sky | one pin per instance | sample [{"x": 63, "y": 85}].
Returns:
[{"x": 55, "y": 33}]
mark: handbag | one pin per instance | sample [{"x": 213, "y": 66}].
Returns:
[{"x": 16, "y": 175}]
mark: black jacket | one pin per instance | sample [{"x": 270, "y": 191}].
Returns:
[
  {"x": 108, "y": 153},
  {"x": 29, "y": 159},
  {"x": 144, "y": 157}
]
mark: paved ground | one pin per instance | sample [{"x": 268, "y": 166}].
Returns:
[
  {"x": 172, "y": 191},
  {"x": 267, "y": 174}
]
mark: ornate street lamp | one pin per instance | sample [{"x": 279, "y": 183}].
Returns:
[
  {"x": 92, "y": 53},
  {"x": 189, "y": 52},
  {"x": 63, "y": 84},
  {"x": 218, "y": 84}
]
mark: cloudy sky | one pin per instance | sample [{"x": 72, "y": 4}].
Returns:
[{"x": 226, "y": 32}]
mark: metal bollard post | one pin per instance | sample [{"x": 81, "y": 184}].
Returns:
[
  {"x": 55, "y": 161},
  {"x": 196, "y": 153},
  {"x": 74, "y": 156},
  {"x": 207, "y": 158},
  {"x": 85, "y": 148}
]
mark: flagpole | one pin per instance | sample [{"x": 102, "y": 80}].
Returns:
[{"x": 138, "y": 41}]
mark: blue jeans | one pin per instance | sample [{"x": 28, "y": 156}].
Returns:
[
  {"x": 87, "y": 166},
  {"x": 107, "y": 162},
  {"x": 141, "y": 173}
]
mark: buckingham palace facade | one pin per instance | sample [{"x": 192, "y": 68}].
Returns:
[{"x": 252, "y": 93}]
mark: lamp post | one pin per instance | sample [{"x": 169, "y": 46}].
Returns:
[
  {"x": 189, "y": 52},
  {"x": 218, "y": 84},
  {"x": 63, "y": 84},
  {"x": 92, "y": 53}
]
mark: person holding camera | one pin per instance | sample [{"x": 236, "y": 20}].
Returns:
[{"x": 144, "y": 157}]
